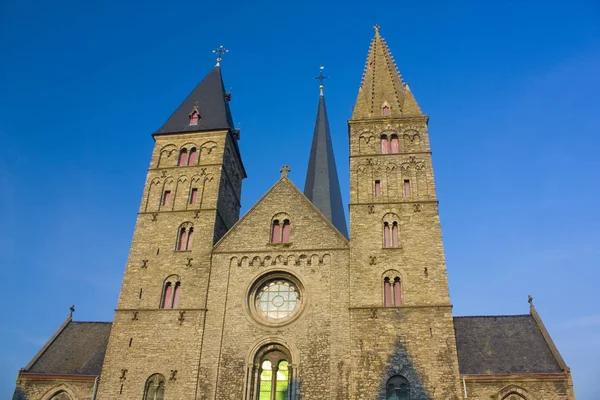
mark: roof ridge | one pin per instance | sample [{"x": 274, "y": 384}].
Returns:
[{"x": 491, "y": 316}]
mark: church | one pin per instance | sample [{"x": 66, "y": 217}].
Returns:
[{"x": 288, "y": 302}]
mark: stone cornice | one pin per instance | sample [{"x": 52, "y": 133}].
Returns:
[
  {"x": 515, "y": 377},
  {"x": 281, "y": 249},
  {"x": 62, "y": 377},
  {"x": 393, "y": 202},
  {"x": 402, "y": 306},
  {"x": 390, "y": 154},
  {"x": 159, "y": 309},
  {"x": 371, "y": 120}
]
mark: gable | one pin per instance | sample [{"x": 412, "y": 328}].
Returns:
[{"x": 309, "y": 228}]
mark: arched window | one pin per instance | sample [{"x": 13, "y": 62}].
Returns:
[
  {"x": 192, "y": 156},
  {"x": 394, "y": 144},
  {"x": 392, "y": 291},
  {"x": 397, "y": 388},
  {"x": 276, "y": 232},
  {"x": 171, "y": 292},
  {"x": 385, "y": 146},
  {"x": 281, "y": 229},
  {"x": 155, "y": 388},
  {"x": 194, "y": 116},
  {"x": 385, "y": 111},
  {"x": 183, "y": 158},
  {"x": 391, "y": 231},
  {"x": 185, "y": 237},
  {"x": 62, "y": 395},
  {"x": 273, "y": 376}
]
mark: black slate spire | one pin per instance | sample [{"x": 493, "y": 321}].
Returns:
[
  {"x": 322, "y": 186},
  {"x": 211, "y": 102}
]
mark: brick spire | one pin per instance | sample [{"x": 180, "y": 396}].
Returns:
[{"x": 382, "y": 86}]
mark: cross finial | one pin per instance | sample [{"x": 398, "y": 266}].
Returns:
[
  {"x": 530, "y": 299},
  {"x": 284, "y": 171},
  {"x": 376, "y": 27},
  {"x": 219, "y": 51},
  {"x": 321, "y": 78},
  {"x": 72, "y": 308}
]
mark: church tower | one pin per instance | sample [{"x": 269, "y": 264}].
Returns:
[
  {"x": 190, "y": 199},
  {"x": 398, "y": 283}
]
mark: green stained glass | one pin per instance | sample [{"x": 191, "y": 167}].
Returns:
[
  {"x": 281, "y": 386},
  {"x": 266, "y": 377}
]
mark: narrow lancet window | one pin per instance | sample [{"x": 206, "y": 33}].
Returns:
[
  {"x": 406, "y": 188},
  {"x": 182, "y": 239},
  {"x": 387, "y": 293},
  {"x": 397, "y": 292},
  {"x": 386, "y": 235},
  {"x": 285, "y": 231},
  {"x": 193, "y": 196},
  {"x": 166, "y": 197},
  {"x": 385, "y": 111},
  {"x": 385, "y": 146},
  {"x": 192, "y": 156},
  {"x": 377, "y": 188},
  {"x": 168, "y": 296},
  {"x": 183, "y": 158},
  {"x": 395, "y": 234},
  {"x": 276, "y": 232},
  {"x": 394, "y": 144}
]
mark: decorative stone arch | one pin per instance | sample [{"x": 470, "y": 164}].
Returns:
[
  {"x": 164, "y": 156},
  {"x": 206, "y": 149},
  {"x": 257, "y": 353},
  {"x": 153, "y": 195},
  {"x": 513, "y": 391},
  {"x": 390, "y": 217},
  {"x": 57, "y": 391},
  {"x": 366, "y": 142}
]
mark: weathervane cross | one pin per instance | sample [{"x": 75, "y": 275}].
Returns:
[
  {"x": 321, "y": 78},
  {"x": 219, "y": 51}
]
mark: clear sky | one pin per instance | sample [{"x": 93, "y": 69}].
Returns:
[{"x": 511, "y": 89}]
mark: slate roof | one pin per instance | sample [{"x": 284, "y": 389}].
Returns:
[
  {"x": 510, "y": 344},
  {"x": 212, "y": 104},
  {"x": 322, "y": 186},
  {"x": 77, "y": 350}
]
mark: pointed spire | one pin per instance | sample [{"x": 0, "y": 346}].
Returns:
[
  {"x": 211, "y": 103},
  {"x": 322, "y": 186},
  {"x": 383, "y": 92}
]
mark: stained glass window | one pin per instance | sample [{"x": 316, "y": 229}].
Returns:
[
  {"x": 397, "y": 388},
  {"x": 277, "y": 300},
  {"x": 266, "y": 380}
]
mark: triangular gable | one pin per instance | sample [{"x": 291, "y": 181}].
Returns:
[{"x": 309, "y": 228}]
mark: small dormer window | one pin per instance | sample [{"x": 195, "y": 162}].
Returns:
[
  {"x": 194, "y": 116},
  {"x": 386, "y": 111}
]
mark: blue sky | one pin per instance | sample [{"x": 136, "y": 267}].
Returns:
[{"x": 511, "y": 89}]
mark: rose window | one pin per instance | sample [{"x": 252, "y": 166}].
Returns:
[{"x": 277, "y": 300}]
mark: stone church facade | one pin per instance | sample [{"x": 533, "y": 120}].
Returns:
[{"x": 285, "y": 303}]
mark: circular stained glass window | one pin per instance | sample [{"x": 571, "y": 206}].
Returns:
[{"x": 277, "y": 300}]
